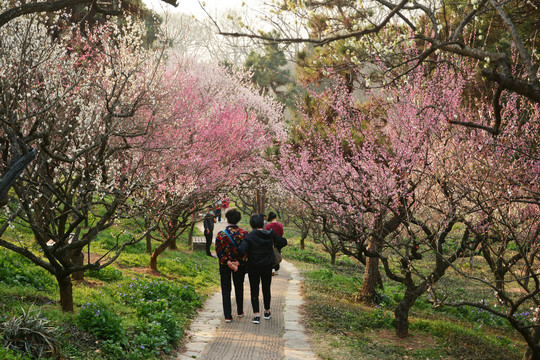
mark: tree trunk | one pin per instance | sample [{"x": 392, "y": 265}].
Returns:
[
  {"x": 402, "y": 314},
  {"x": 190, "y": 235},
  {"x": 77, "y": 258},
  {"x": 333, "y": 258},
  {"x": 533, "y": 350},
  {"x": 66, "y": 292},
  {"x": 147, "y": 223},
  {"x": 260, "y": 201},
  {"x": 160, "y": 249},
  {"x": 303, "y": 240},
  {"x": 172, "y": 244},
  {"x": 532, "y": 354},
  {"x": 372, "y": 275}
]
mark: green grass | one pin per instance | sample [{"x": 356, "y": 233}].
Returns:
[
  {"x": 143, "y": 307},
  {"x": 344, "y": 329},
  {"x": 147, "y": 326}
]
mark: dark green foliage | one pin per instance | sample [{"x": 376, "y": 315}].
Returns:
[
  {"x": 106, "y": 274},
  {"x": 31, "y": 334},
  {"x": 269, "y": 72},
  {"x": 161, "y": 309},
  {"x": 7, "y": 354},
  {"x": 19, "y": 271},
  {"x": 100, "y": 322},
  {"x": 144, "y": 290}
]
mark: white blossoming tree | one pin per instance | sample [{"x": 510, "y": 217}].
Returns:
[{"x": 82, "y": 103}]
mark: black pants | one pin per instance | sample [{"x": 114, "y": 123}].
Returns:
[
  {"x": 276, "y": 267},
  {"x": 208, "y": 237},
  {"x": 225, "y": 274},
  {"x": 261, "y": 275}
]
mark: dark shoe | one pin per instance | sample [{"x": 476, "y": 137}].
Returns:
[
  {"x": 256, "y": 320},
  {"x": 267, "y": 315},
  {"x": 241, "y": 315}
]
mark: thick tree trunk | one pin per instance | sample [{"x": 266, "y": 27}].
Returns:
[
  {"x": 533, "y": 351},
  {"x": 372, "y": 275},
  {"x": 532, "y": 354},
  {"x": 77, "y": 258},
  {"x": 333, "y": 258},
  {"x": 66, "y": 292},
  {"x": 402, "y": 314},
  {"x": 172, "y": 244}
]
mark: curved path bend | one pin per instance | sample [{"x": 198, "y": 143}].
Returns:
[{"x": 281, "y": 337}]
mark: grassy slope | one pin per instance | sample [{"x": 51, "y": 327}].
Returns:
[
  {"x": 342, "y": 328},
  {"x": 23, "y": 286}
]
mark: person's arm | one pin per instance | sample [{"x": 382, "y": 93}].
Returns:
[
  {"x": 220, "y": 249},
  {"x": 279, "y": 241},
  {"x": 244, "y": 246}
]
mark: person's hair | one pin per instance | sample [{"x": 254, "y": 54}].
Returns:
[
  {"x": 256, "y": 221},
  {"x": 233, "y": 216},
  {"x": 271, "y": 216}
]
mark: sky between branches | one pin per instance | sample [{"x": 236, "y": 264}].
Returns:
[{"x": 192, "y": 7}]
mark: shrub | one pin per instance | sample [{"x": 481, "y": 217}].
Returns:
[
  {"x": 16, "y": 270},
  {"x": 100, "y": 322},
  {"x": 8, "y": 354},
  {"x": 167, "y": 324},
  {"x": 106, "y": 274},
  {"x": 182, "y": 298},
  {"x": 30, "y": 333}
]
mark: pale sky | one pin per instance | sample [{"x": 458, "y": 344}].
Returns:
[{"x": 192, "y": 7}]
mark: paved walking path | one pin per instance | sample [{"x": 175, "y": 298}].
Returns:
[{"x": 281, "y": 337}]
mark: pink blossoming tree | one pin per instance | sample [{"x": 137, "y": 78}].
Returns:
[
  {"x": 407, "y": 187},
  {"x": 212, "y": 126}
]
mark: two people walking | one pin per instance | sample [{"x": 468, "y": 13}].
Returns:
[{"x": 240, "y": 252}]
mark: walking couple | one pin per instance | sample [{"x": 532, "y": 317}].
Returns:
[{"x": 240, "y": 252}]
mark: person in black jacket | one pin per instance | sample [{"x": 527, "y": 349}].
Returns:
[
  {"x": 258, "y": 244},
  {"x": 208, "y": 222}
]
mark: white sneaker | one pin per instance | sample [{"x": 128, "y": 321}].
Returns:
[{"x": 274, "y": 272}]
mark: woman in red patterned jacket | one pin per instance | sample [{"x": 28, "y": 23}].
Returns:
[{"x": 231, "y": 263}]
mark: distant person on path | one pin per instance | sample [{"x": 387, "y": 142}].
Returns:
[
  {"x": 208, "y": 222},
  {"x": 258, "y": 244},
  {"x": 226, "y": 203},
  {"x": 231, "y": 263},
  {"x": 278, "y": 229},
  {"x": 219, "y": 205}
]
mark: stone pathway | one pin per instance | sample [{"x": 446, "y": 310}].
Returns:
[{"x": 281, "y": 337}]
